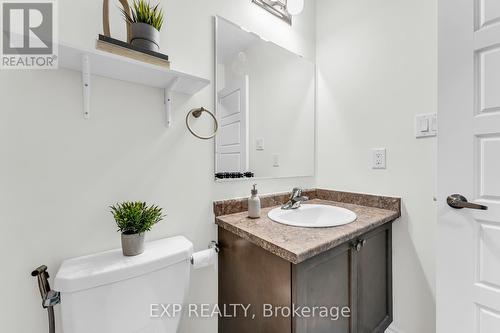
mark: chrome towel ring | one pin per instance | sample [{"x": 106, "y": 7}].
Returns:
[{"x": 196, "y": 114}]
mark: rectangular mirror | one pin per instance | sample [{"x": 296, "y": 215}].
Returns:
[{"x": 265, "y": 106}]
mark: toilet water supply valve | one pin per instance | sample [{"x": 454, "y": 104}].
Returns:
[{"x": 49, "y": 297}]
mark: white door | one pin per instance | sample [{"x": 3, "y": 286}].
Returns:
[
  {"x": 468, "y": 242},
  {"x": 231, "y": 146}
]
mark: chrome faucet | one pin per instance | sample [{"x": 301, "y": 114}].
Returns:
[{"x": 295, "y": 199}]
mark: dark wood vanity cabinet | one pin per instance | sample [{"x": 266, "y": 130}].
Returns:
[{"x": 356, "y": 274}]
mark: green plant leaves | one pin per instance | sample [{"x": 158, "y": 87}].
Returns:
[
  {"x": 144, "y": 12},
  {"x": 136, "y": 217}
]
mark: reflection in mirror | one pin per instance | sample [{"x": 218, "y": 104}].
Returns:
[{"x": 264, "y": 105}]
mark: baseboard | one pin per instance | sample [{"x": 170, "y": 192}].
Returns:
[{"x": 393, "y": 329}]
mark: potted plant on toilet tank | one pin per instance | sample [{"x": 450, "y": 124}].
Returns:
[
  {"x": 145, "y": 21},
  {"x": 133, "y": 220}
]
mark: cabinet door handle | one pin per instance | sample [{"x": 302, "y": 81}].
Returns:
[{"x": 359, "y": 244}]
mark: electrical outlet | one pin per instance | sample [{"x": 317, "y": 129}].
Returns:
[{"x": 379, "y": 158}]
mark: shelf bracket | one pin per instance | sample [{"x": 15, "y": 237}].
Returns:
[
  {"x": 86, "y": 86},
  {"x": 167, "y": 95}
]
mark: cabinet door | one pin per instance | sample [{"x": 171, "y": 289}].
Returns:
[
  {"x": 372, "y": 281},
  {"x": 250, "y": 275},
  {"x": 323, "y": 281}
]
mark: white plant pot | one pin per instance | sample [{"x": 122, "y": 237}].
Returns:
[{"x": 132, "y": 244}]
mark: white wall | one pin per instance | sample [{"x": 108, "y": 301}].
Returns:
[
  {"x": 377, "y": 65},
  {"x": 59, "y": 173}
]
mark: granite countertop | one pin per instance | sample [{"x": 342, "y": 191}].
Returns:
[{"x": 296, "y": 244}]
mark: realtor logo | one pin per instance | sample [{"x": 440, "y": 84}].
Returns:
[{"x": 28, "y": 38}]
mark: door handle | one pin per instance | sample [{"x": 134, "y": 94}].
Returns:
[{"x": 458, "y": 201}]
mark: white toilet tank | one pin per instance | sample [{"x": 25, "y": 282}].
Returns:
[{"x": 110, "y": 293}]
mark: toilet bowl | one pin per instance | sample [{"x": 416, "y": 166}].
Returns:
[{"x": 109, "y": 293}]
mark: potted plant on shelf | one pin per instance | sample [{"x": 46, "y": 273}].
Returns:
[
  {"x": 145, "y": 25},
  {"x": 133, "y": 220}
]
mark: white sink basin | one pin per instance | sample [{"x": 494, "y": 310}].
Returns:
[{"x": 313, "y": 216}]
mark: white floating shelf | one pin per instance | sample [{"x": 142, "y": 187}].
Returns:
[{"x": 104, "y": 64}]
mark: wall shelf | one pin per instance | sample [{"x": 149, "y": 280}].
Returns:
[{"x": 100, "y": 63}]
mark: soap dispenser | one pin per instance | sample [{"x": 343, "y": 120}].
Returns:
[{"x": 254, "y": 204}]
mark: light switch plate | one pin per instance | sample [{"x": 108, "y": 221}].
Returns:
[
  {"x": 259, "y": 144},
  {"x": 425, "y": 125},
  {"x": 276, "y": 160},
  {"x": 379, "y": 158}
]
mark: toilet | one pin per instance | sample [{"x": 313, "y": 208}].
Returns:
[{"x": 110, "y": 293}]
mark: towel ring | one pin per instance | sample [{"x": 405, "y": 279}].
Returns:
[{"x": 197, "y": 113}]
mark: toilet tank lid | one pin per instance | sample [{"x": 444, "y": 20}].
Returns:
[{"x": 112, "y": 266}]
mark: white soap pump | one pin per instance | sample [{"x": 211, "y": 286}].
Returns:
[{"x": 254, "y": 204}]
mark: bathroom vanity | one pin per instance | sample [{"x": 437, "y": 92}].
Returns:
[{"x": 274, "y": 267}]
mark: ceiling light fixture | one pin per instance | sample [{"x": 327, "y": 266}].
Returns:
[{"x": 284, "y": 9}]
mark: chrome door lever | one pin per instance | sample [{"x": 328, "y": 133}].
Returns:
[{"x": 458, "y": 201}]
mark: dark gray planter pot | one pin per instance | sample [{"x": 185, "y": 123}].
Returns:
[
  {"x": 132, "y": 244},
  {"x": 145, "y": 36}
]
